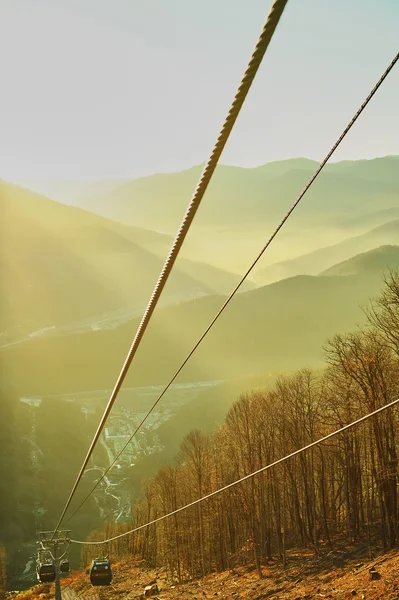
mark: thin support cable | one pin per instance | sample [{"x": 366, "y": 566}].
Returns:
[
  {"x": 263, "y": 42},
  {"x": 301, "y": 195},
  {"x": 246, "y": 477}
]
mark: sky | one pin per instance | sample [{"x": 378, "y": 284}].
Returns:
[{"x": 125, "y": 88}]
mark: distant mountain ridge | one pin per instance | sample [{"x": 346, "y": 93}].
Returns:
[
  {"x": 235, "y": 193},
  {"x": 63, "y": 264},
  {"x": 281, "y": 326},
  {"x": 319, "y": 260},
  {"x": 60, "y": 264},
  {"x": 242, "y": 206},
  {"x": 377, "y": 260}
]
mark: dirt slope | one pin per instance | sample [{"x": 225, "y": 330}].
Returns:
[{"x": 340, "y": 575}]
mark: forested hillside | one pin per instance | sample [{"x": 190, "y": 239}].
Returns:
[
  {"x": 41, "y": 449},
  {"x": 342, "y": 489}
]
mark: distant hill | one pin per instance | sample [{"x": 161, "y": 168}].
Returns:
[
  {"x": 381, "y": 259},
  {"x": 281, "y": 326},
  {"x": 319, "y": 260},
  {"x": 243, "y": 206},
  {"x": 378, "y": 169},
  {"x": 365, "y": 221},
  {"x": 237, "y": 194},
  {"x": 60, "y": 264}
]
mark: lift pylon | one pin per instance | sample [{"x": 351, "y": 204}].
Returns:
[{"x": 53, "y": 548}]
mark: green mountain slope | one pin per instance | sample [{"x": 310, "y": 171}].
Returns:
[
  {"x": 314, "y": 262},
  {"x": 277, "y": 327},
  {"x": 61, "y": 264}
]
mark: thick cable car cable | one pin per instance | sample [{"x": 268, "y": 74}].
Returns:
[
  {"x": 224, "y": 306},
  {"x": 263, "y": 42},
  {"x": 246, "y": 477}
]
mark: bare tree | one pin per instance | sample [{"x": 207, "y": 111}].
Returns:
[
  {"x": 3, "y": 573},
  {"x": 383, "y": 313}
]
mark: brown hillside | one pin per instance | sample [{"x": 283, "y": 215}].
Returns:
[{"x": 341, "y": 574}]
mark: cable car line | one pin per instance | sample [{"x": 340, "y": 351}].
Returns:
[
  {"x": 221, "y": 310},
  {"x": 263, "y": 42},
  {"x": 246, "y": 477}
]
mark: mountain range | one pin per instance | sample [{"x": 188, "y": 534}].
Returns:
[
  {"x": 279, "y": 326},
  {"x": 61, "y": 264},
  {"x": 318, "y": 260},
  {"x": 242, "y": 207},
  {"x": 67, "y": 271},
  {"x": 237, "y": 195}
]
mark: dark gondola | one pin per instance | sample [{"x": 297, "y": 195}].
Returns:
[
  {"x": 100, "y": 572},
  {"x": 45, "y": 572},
  {"x": 64, "y": 566}
]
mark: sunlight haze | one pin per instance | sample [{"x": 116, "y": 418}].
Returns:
[{"x": 157, "y": 370}]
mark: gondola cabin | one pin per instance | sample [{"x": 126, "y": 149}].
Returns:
[
  {"x": 45, "y": 572},
  {"x": 64, "y": 566},
  {"x": 100, "y": 572}
]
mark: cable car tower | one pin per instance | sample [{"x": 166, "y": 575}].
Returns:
[{"x": 52, "y": 557}]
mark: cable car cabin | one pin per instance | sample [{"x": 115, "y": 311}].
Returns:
[
  {"x": 45, "y": 572},
  {"x": 100, "y": 572},
  {"x": 64, "y": 566}
]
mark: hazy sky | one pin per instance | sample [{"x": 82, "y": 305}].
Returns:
[{"x": 117, "y": 88}]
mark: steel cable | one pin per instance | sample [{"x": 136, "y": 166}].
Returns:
[
  {"x": 303, "y": 192},
  {"x": 263, "y": 42}
]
